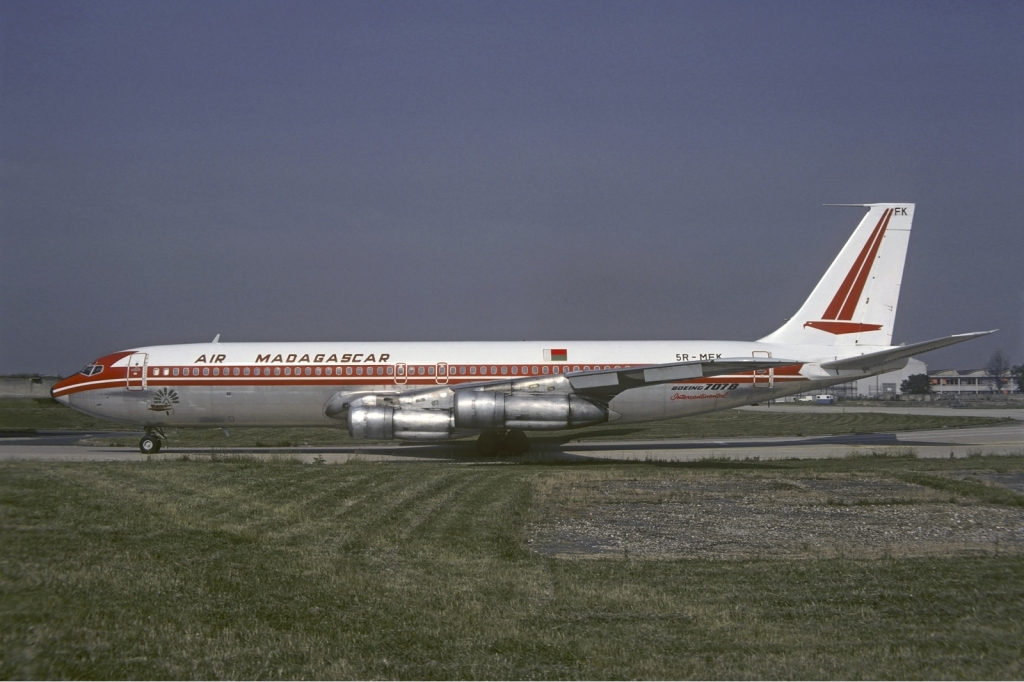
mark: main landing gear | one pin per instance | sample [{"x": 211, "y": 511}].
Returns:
[
  {"x": 151, "y": 443},
  {"x": 512, "y": 442}
]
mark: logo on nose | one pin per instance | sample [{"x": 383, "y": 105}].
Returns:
[{"x": 164, "y": 400}]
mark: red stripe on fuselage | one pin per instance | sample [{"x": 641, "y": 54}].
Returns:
[{"x": 115, "y": 378}]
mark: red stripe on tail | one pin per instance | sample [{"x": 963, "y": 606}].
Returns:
[{"x": 853, "y": 276}]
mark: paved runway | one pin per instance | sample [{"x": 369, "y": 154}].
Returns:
[
  {"x": 922, "y": 409},
  {"x": 1000, "y": 439}
]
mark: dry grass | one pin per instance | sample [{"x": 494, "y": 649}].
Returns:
[{"x": 709, "y": 514}]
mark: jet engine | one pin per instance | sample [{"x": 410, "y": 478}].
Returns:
[
  {"x": 482, "y": 410},
  {"x": 386, "y": 423},
  {"x": 470, "y": 411}
]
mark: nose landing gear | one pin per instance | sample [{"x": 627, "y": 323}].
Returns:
[
  {"x": 151, "y": 443},
  {"x": 512, "y": 442}
]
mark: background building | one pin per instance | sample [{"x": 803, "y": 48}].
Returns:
[
  {"x": 26, "y": 386},
  {"x": 968, "y": 382}
]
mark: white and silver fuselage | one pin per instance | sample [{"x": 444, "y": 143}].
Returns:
[{"x": 289, "y": 384}]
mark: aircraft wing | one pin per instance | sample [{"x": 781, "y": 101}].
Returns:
[
  {"x": 884, "y": 357},
  {"x": 609, "y": 382}
]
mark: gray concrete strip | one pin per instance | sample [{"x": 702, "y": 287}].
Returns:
[
  {"x": 1004, "y": 439},
  {"x": 995, "y": 412}
]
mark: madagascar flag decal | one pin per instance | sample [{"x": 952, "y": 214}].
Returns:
[{"x": 556, "y": 355}]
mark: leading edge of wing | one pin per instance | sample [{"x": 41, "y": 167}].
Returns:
[
  {"x": 883, "y": 357},
  {"x": 613, "y": 381}
]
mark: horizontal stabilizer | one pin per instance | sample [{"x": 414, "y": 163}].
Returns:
[
  {"x": 884, "y": 357},
  {"x": 614, "y": 381}
]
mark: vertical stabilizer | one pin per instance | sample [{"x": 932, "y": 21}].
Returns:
[{"x": 855, "y": 302}]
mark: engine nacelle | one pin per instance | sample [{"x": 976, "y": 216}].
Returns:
[
  {"x": 530, "y": 412},
  {"x": 386, "y": 423}
]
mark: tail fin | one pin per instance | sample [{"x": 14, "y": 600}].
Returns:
[{"x": 855, "y": 302}]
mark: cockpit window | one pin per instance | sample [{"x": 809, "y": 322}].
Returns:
[{"x": 92, "y": 369}]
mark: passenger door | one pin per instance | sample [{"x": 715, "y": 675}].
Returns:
[
  {"x": 763, "y": 378},
  {"x": 137, "y": 371}
]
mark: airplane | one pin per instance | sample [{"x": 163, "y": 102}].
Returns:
[{"x": 436, "y": 391}]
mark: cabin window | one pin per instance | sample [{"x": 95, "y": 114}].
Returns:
[
  {"x": 359, "y": 371},
  {"x": 235, "y": 371},
  {"x": 462, "y": 369},
  {"x": 483, "y": 370},
  {"x": 309, "y": 371},
  {"x": 494, "y": 370},
  {"x": 472, "y": 370},
  {"x": 319, "y": 371},
  {"x": 206, "y": 371},
  {"x": 535, "y": 369},
  {"x": 175, "y": 371},
  {"x": 545, "y": 369},
  {"x": 216, "y": 371},
  {"x": 245, "y": 371},
  {"x": 348, "y": 371},
  {"x": 391, "y": 370},
  {"x": 277, "y": 371},
  {"x": 420, "y": 370},
  {"x": 380, "y": 371}
]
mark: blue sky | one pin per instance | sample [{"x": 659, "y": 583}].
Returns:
[{"x": 404, "y": 171}]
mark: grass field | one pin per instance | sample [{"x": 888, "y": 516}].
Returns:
[
  {"x": 237, "y": 568},
  {"x": 32, "y": 414}
]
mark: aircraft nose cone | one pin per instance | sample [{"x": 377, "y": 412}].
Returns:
[{"x": 57, "y": 392}]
